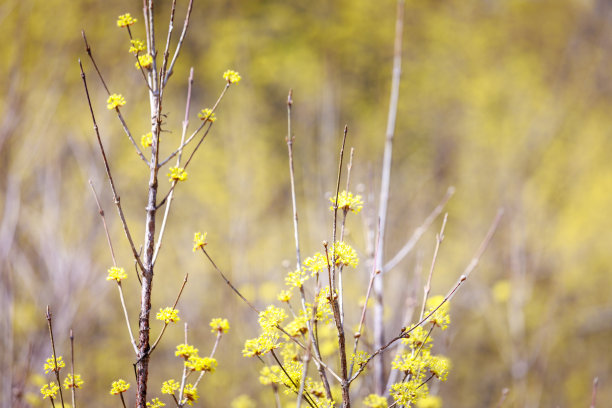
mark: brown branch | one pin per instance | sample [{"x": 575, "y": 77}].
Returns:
[
  {"x": 119, "y": 115},
  {"x": 55, "y": 367},
  {"x": 108, "y": 173}
]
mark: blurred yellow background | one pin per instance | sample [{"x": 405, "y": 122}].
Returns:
[{"x": 509, "y": 101}]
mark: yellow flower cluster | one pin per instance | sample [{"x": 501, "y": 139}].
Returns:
[
  {"x": 199, "y": 241},
  {"x": 168, "y": 387},
  {"x": 316, "y": 264},
  {"x": 155, "y": 403},
  {"x": 261, "y": 345},
  {"x": 136, "y": 47},
  {"x": 440, "y": 317},
  {"x": 144, "y": 61},
  {"x": 72, "y": 382},
  {"x": 114, "y": 101},
  {"x": 207, "y": 115},
  {"x": 125, "y": 20},
  {"x": 347, "y": 202},
  {"x": 190, "y": 394},
  {"x": 118, "y": 387},
  {"x": 168, "y": 315},
  {"x": 116, "y": 273},
  {"x": 296, "y": 278},
  {"x": 49, "y": 390},
  {"x": 54, "y": 364},
  {"x": 345, "y": 254},
  {"x": 146, "y": 140},
  {"x": 231, "y": 77},
  {"x": 177, "y": 174},
  {"x": 196, "y": 363},
  {"x": 284, "y": 296},
  {"x": 185, "y": 351},
  {"x": 219, "y": 325},
  {"x": 417, "y": 362}
]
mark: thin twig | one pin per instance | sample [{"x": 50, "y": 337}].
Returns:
[
  {"x": 464, "y": 276},
  {"x": 427, "y": 287},
  {"x": 418, "y": 233},
  {"x": 312, "y": 340},
  {"x": 180, "y": 44},
  {"x": 119, "y": 115},
  {"x": 307, "y": 396},
  {"x": 346, "y": 399},
  {"x": 236, "y": 291},
  {"x": 345, "y": 212},
  {"x": 72, "y": 386},
  {"x": 55, "y": 367},
  {"x": 101, "y": 212},
  {"x": 127, "y": 319},
  {"x": 178, "y": 162},
  {"x": 212, "y": 110},
  {"x": 594, "y": 393},
  {"x": 108, "y": 173},
  {"x": 173, "y": 308},
  {"x": 357, "y": 335}
]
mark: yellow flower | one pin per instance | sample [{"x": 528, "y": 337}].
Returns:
[
  {"x": 117, "y": 274},
  {"x": 440, "y": 366},
  {"x": 191, "y": 394},
  {"x": 296, "y": 278},
  {"x": 260, "y": 345},
  {"x": 196, "y": 363},
  {"x": 271, "y": 317},
  {"x": 119, "y": 386},
  {"x": 50, "y": 365},
  {"x": 199, "y": 241},
  {"x": 168, "y": 387},
  {"x": 347, "y": 202},
  {"x": 231, "y": 77},
  {"x": 219, "y": 325},
  {"x": 298, "y": 326},
  {"x": 114, "y": 101},
  {"x": 345, "y": 254},
  {"x": 375, "y": 401},
  {"x": 440, "y": 317},
  {"x": 360, "y": 358},
  {"x": 185, "y": 351},
  {"x": 284, "y": 296},
  {"x": 207, "y": 115},
  {"x": 70, "y": 382},
  {"x": 409, "y": 392},
  {"x": 144, "y": 61},
  {"x": 177, "y": 174},
  {"x": 136, "y": 47},
  {"x": 316, "y": 264},
  {"x": 125, "y": 20},
  {"x": 168, "y": 315},
  {"x": 146, "y": 140},
  {"x": 49, "y": 390},
  {"x": 155, "y": 403}
]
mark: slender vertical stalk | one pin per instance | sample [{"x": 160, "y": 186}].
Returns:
[
  {"x": 379, "y": 364},
  {"x": 142, "y": 365}
]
